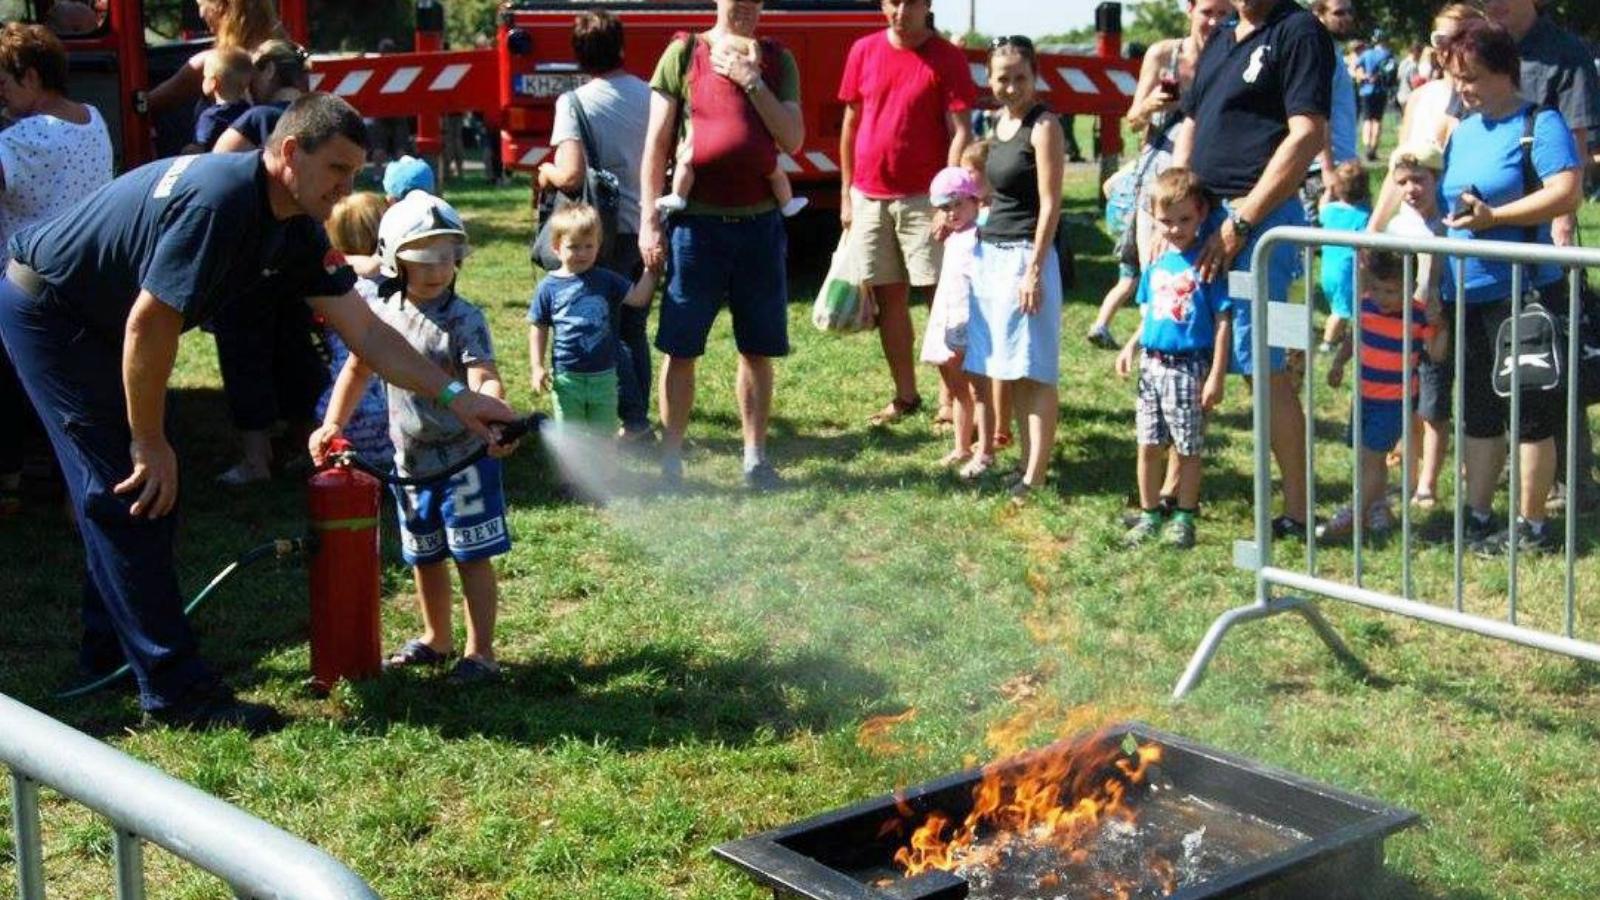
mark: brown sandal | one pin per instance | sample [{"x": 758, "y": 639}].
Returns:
[{"x": 896, "y": 410}]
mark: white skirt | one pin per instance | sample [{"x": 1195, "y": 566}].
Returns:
[{"x": 1003, "y": 343}]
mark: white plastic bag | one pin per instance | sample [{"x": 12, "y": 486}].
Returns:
[{"x": 844, "y": 303}]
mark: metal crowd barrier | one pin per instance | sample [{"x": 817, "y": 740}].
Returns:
[
  {"x": 1279, "y": 589},
  {"x": 257, "y": 860}
]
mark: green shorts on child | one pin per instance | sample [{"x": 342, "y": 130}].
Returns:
[{"x": 586, "y": 398}]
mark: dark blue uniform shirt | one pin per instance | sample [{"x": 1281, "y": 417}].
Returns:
[
  {"x": 192, "y": 230},
  {"x": 258, "y": 121},
  {"x": 1245, "y": 91},
  {"x": 217, "y": 118}
]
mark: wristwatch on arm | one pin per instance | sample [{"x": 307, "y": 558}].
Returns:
[{"x": 1241, "y": 226}]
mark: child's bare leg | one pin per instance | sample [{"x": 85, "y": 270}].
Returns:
[
  {"x": 482, "y": 593},
  {"x": 1018, "y": 392},
  {"x": 1333, "y": 331},
  {"x": 1374, "y": 478},
  {"x": 953, "y": 381},
  {"x": 433, "y": 596},
  {"x": 981, "y": 394},
  {"x": 1151, "y": 457},
  {"x": 1120, "y": 293},
  {"x": 783, "y": 192},
  {"x": 1188, "y": 481},
  {"x": 682, "y": 183},
  {"x": 1172, "y": 484},
  {"x": 1435, "y": 446},
  {"x": 1002, "y": 408}
]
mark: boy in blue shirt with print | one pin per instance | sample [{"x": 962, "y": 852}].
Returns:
[
  {"x": 1186, "y": 334},
  {"x": 581, "y": 304}
]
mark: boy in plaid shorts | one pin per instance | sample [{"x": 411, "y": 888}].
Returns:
[{"x": 1185, "y": 334}]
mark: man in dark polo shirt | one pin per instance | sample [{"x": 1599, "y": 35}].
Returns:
[
  {"x": 1256, "y": 117},
  {"x": 1558, "y": 72},
  {"x": 91, "y": 310}
]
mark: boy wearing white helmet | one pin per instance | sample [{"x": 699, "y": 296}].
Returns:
[{"x": 421, "y": 242}]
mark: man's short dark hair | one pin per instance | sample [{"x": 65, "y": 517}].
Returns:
[
  {"x": 314, "y": 119},
  {"x": 597, "y": 40}
]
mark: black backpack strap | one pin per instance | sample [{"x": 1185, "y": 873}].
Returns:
[
  {"x": 1530, "y": 175},
  {"x": 591, "y": 151}
]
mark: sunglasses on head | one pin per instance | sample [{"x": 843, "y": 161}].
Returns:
[{"x": 1021, "y": 42}]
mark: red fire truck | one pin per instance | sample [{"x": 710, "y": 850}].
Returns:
[{"x": 514, "y": 83}]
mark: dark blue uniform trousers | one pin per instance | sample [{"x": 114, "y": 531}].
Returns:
[{"x": 130, "y": 597}]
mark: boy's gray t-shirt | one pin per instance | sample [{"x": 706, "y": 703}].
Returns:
[
  {"x": 618, "y": 107},
  {"x": 452, "y": 334}
]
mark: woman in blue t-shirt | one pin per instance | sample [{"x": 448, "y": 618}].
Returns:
[{"x": 1484, "y": 189}]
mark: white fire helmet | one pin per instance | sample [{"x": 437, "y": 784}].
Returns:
[{"x": 418, "y": 216}]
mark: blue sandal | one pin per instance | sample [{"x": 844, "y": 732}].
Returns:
[
  {"x": 415, "y": 653},
  {"x": 468, "y": 670}
]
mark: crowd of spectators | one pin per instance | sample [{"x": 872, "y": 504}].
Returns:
[{"x": 1249, "y": 121}]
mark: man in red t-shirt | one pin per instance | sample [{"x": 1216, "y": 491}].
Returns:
[{"x": 907, "y": 92}]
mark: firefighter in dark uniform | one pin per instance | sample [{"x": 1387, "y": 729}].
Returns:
[{"x": 91, "y": 309}]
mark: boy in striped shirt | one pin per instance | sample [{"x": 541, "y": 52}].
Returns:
[{"x": 1382, "y": 380}]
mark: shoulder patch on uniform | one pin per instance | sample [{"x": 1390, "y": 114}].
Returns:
[
  {"x": 169, "y": 178},
  {"x": 333, "y": 261}
]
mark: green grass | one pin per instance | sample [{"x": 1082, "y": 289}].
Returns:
[{"x": 686, "y": 671}]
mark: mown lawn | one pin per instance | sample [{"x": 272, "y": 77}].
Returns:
[{"x": 688, "y": 670}]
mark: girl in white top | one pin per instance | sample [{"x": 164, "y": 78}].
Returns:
[{"x": 56, "y": 154}]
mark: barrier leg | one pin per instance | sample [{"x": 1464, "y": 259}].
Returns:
[
  {"x": 26, "y": 837},
  {"x": 1196, "y": 669}
]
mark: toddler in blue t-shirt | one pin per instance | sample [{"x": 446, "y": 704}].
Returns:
[
  {"x": 1186, "y": 334},
  {"x": 579, "y": 303},
  {"x": 1347, "y": 206}
]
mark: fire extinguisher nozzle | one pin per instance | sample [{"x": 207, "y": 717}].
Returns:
[{"x": 521, "y": 428}]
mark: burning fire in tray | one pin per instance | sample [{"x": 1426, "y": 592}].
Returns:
[{"x": 1056, "y": 800}]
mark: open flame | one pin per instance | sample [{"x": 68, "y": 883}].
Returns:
[{"x": 1055, "y": 797}]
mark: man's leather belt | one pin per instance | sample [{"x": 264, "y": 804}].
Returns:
[{"x": 25, "y": 278}]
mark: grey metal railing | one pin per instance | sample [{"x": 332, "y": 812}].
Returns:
[
  {"x": 255, "y": 859},
  {"x": 1290, "y": 325}
]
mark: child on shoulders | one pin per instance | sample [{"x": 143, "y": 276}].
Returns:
[
  {"x": 225, "y": 81},
  {"x": 1185, "y": 335},
  {"x": 1417, "y": 167},
  {"x": 421, "y": 242},
  {"x": 580, "y": 304},
  {"x": 956, "y": 193},
  {"x": 1381, "y": 381}
]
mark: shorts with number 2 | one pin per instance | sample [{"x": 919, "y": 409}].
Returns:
[{"x": 463, "y": 518}]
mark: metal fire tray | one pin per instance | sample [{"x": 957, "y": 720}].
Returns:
[{"x": 1336, "y": 850}]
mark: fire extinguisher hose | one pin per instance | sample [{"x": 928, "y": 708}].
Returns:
[
  {"x": 511, "y": 431},
  {"x": 282, "y": 548}
]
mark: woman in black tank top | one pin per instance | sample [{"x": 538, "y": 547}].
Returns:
[{"x": 1014, "y": 327}]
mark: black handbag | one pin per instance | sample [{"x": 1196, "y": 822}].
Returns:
[{"x": 600, "y": 189}]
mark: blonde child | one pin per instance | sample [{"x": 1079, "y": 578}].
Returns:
[
  {"x": 226, "y": 83},
  {"x": 1185, "y": 335},
  {"x": 1346, "y": 206},
  {"x": 1416, "y": 169},
  {"x": 580, "y": 304},
  {"x": 975, "y": 159},
  {"x": 422, "y": 241},
  {"x": 683, "y": 168},
  {"x": 1381, "y": 381},
  {"x": 955, "y": 193},
  {"x": 353, "y": 230}
]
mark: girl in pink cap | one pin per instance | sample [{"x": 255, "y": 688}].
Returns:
[{"x": 955, "y": 192}]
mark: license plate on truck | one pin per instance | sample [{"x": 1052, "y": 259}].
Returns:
[{"x": 544, "y": 85}]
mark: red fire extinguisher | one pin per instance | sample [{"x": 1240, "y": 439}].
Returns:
[{"x": 345, "y": 642}]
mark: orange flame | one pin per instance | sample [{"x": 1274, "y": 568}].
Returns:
[
  {"x": 1055, "y": 797},
  {"x": 873, "y": 735}
]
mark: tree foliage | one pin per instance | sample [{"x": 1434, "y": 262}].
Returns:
[{"x": 340, "y": 25}]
